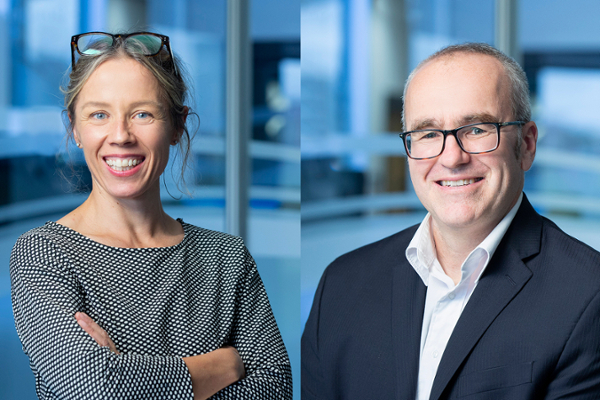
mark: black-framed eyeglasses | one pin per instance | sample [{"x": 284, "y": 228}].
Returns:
[
  {"x": 149, "y": 44},
  {"x": 482, "y": 137}
]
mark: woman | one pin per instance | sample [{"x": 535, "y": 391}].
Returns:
[{"x": 117, "y": 299}]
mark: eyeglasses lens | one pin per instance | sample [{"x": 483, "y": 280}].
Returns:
[
  {"x": 148, "y": 45},
  {"x": 479, "y": 138},
  {"x": 94, "y": 44}
]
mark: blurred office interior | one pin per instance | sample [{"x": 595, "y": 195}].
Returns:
[
  {"x": 34, "y": 43},
  {"x": 356, "y": 56}
]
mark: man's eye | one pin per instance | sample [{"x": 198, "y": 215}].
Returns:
[{"x": 426, "y": 135}]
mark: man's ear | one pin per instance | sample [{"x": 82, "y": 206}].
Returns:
[{"x": 528, "y": 145}]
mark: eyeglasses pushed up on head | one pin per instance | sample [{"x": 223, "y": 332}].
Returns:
[
  {"x": 149, "y": 44},
  {"x": 478, "y": 138}
]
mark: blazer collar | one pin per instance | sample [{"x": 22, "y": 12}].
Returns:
[{"x": 504, "y": 277}]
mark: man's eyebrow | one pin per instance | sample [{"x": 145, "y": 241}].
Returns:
[
  {"x": 466, "y": 120},
  {"x": 425, "y": 123},
  {"x": 480, "y": 117}
]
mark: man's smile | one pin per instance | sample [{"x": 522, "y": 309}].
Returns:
[{"x": 459, "y": 182}]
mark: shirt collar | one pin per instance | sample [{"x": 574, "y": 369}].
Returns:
[{"x": 421, "y": 253}]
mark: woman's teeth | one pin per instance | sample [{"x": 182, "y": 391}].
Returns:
[{"x": 122, "y": 164}]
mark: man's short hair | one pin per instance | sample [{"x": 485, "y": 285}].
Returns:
[{"x": 521, "y": 105}]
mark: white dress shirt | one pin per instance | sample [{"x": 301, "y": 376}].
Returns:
[{"x": 445, "y": 301}]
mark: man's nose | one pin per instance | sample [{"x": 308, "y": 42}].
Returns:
[{"x": 453, "y": 156}]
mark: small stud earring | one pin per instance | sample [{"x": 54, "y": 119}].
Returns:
[{"x": 79, "y": 145}]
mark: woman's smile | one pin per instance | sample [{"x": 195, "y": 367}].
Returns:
[{"x": 123, "y": 164}]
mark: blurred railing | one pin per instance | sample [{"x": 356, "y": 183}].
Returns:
[
  {"x": 389, "y": 144},
  {"x": 40, "y": 131}
]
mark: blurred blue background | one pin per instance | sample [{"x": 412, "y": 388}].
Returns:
[
  {"x": 356, "y": 56},
  {"x": 34, "y": 43}
]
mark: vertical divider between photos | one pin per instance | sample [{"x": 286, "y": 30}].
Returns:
[{"x": 238, "y": 117}]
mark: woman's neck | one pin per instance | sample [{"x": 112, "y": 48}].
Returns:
[{"x": 133, "y": 223}]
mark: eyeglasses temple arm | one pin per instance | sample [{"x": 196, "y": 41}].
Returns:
[{"x": 73, "y": 56}]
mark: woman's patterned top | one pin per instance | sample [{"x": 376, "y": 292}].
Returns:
[{"x": 157, "y": 305}]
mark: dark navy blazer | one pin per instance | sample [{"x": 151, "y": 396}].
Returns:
[{"x": 531, "y": 329}]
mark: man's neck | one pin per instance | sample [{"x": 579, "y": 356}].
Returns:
[{"x": 453, "y": 246}]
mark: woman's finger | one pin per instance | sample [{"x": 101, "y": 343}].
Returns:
[
  {"x": 90, "y": 327},
  {"x": 95, "y": 331},
  {"x": 84, "y": 322}
]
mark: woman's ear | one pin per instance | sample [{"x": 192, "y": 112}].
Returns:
[
  {"x": 177, "y": 135},
  {"x": 186, "y": 111},
  {"x": 76, "y": 137}
]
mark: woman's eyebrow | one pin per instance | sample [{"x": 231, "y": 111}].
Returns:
[
  {"x": 103, "y": 104},
  {"x": 147, "y": 103},
  {"x": 100, "y": 104}
]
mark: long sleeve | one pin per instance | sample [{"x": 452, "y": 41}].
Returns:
[
  {"x": 577, "y": 374},
  {"x": 257, "y": 339},
  {"x": 66, "y": 361}
]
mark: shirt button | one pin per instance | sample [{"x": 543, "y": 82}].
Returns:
[
  {"x": 451, "y": 296},
  {"x": 435, "y": 354}
]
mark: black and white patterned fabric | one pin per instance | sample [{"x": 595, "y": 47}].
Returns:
[{"x": 157, "y": 305}]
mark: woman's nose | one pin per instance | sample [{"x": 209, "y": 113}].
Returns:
[{"x": 121, "y": 133}]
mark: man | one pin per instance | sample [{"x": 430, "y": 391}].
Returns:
[{"x": 485, "y": 299}]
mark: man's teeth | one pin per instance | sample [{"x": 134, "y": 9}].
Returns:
[
  {"x": 460, "y": 182},
  {"x": 122, "y": 164}
]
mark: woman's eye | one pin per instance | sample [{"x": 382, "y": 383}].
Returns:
[
  {"x": 99, "y": 116},
  {"x": 143, "y": 115}
]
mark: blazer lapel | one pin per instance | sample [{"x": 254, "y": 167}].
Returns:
[
  {"x": 502, "y": 280},
  {"x": 408, "y": 289}
]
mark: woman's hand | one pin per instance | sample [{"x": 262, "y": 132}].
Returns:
[
  {"x": 95, "y": 331},
  {"x": 210, "y": 372},
  {"x": 214, "y": 371}
]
